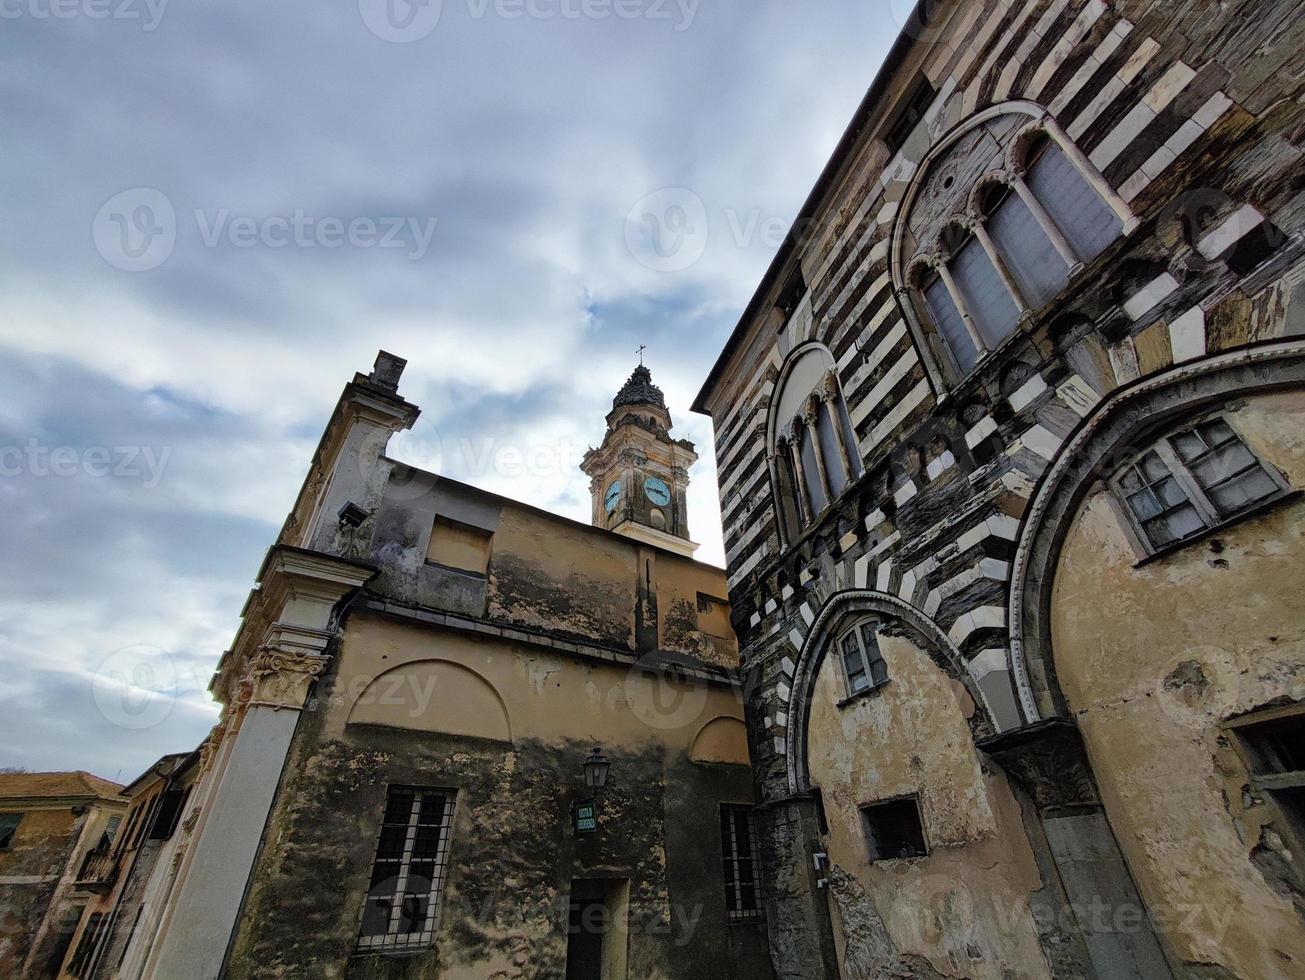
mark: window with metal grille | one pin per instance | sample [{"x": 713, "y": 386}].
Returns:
[
  {"x": 742, "y": 866},
  {"x": 894, "y": 830},
  {"x": 1193, "y": 480},
  {"x": 863, "y": 665},
  {"x": 8, "y": 825},
  {"x": 402, "y": 901}
]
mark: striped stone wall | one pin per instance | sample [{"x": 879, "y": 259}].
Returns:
[{"x": 1190, "y": 112}]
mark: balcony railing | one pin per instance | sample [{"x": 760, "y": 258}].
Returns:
[{"x": 99, "y": 870}]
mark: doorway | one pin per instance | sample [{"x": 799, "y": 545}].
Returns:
[{"x": 597, "y": 929}]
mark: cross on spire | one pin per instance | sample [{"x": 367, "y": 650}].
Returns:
[{"x": 642, "y": 348}]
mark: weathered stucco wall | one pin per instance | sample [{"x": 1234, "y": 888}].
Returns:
[
  {"x": 541, "y": 570},
  {"x": 29, "y": 873},
  {"x": 548, "y": 574},
  {"x": 512, "y": 853},
  {"x": 1152, "y": 660},
  {"x": 388, "y": 673},
  {"x": 965, "y": 908}
]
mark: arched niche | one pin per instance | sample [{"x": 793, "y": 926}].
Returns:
[
  {"x": 1117, "y": 423},
  {"x": 434, "y": 696},
  {"x": 811, "y": 446},
  {"x": 843, "y": 608},
  {"x": 721, "y": 740}
]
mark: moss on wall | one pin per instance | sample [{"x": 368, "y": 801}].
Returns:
[{"x": 512, "y": 855}]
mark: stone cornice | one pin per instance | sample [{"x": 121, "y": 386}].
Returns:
[
  {"x": 289, "y": 611},
  {"x": 662, "y": 660}
]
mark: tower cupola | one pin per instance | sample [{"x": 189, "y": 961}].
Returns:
[{"x": 639, "y": 476}]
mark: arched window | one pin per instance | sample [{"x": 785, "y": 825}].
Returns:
[
  {"x": 812, "y": 445},
  {"x": 1002, "y": 214}
]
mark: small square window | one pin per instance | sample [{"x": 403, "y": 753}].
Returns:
[
  {"x": 1277, "y": 745},
  {"x": 713, "y": 616},
  {"x": 1273, "y": 743},
  {"x": 909, "y": 116},
  {"x": 894, "y": 830},
  {"x": 863, "y": 665},
  {"x": 8, "y": 825}
]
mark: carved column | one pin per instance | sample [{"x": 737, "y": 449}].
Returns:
[
  {"x": 811, "y": 419},
  {"x": 1058, "y": 240},
  {"x": 939, "y": 265},
  {"x": 976, "y": 227},
  {"x": 832, "y": 398},
  {"x": 281, "y": 649},
  {"x": 793, "y": 439}
]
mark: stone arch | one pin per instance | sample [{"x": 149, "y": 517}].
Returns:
[
  {"x": 909, "y": 240},
  {"x": 924, "y": 171},
  {"x": 809, "y": 370},
  {"x": 871, "y": 603},
  {"x": 1121, "y": 418},
  {"x": 434, "y": 696},
  {"x": 722, "y": 740}
]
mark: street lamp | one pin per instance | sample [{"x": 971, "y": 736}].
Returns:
[{"x": 596, "y": 767}]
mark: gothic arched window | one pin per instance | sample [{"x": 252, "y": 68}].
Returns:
[
  {"x": 812, "y": 445},
  {"x": 1002, "y": 214}
]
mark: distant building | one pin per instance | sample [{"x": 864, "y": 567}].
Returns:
[
  {"x": 1011, "y": 445},
  {"x": 115, "y": 875},
  {"x": 50, "y": 822},
  {"x": 427, "y": 679}
]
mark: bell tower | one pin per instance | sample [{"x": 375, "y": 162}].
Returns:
[{"x": 640, "y": 474}]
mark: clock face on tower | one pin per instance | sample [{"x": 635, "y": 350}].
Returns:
[
  {"x": 613, "y": 496},
  {"x": 657, "y": 491}
]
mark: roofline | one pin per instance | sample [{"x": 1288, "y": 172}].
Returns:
[
  {"x": 551, "y": 515},
  {"x": 11, "y": 803},
  {"x": 157, "y": 768},
  {"x": 896, "y": 55}
]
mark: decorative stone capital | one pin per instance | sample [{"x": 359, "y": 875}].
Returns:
[
  {"x": 281, "y": 678},
  {"x": 811, "y": 412},
  {"x": 935, "y": 261},
  {"x": 828, "y": 387},
  {"x": 967, "y": 220},
  {"x": 209, "y": 750},
  {"x": 1048, "y": 759}
]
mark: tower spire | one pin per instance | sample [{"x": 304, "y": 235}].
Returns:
[{"x": 640, "y": 474}]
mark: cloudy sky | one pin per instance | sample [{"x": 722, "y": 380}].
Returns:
[{"x": 214, "y": 213}]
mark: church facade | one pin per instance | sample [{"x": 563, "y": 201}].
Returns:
[
  {"x": 1011, "y": 445},
  {"x": 466, "y": 738}
]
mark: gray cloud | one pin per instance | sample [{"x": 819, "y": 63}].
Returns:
[{"x": 528, "y": 141}]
